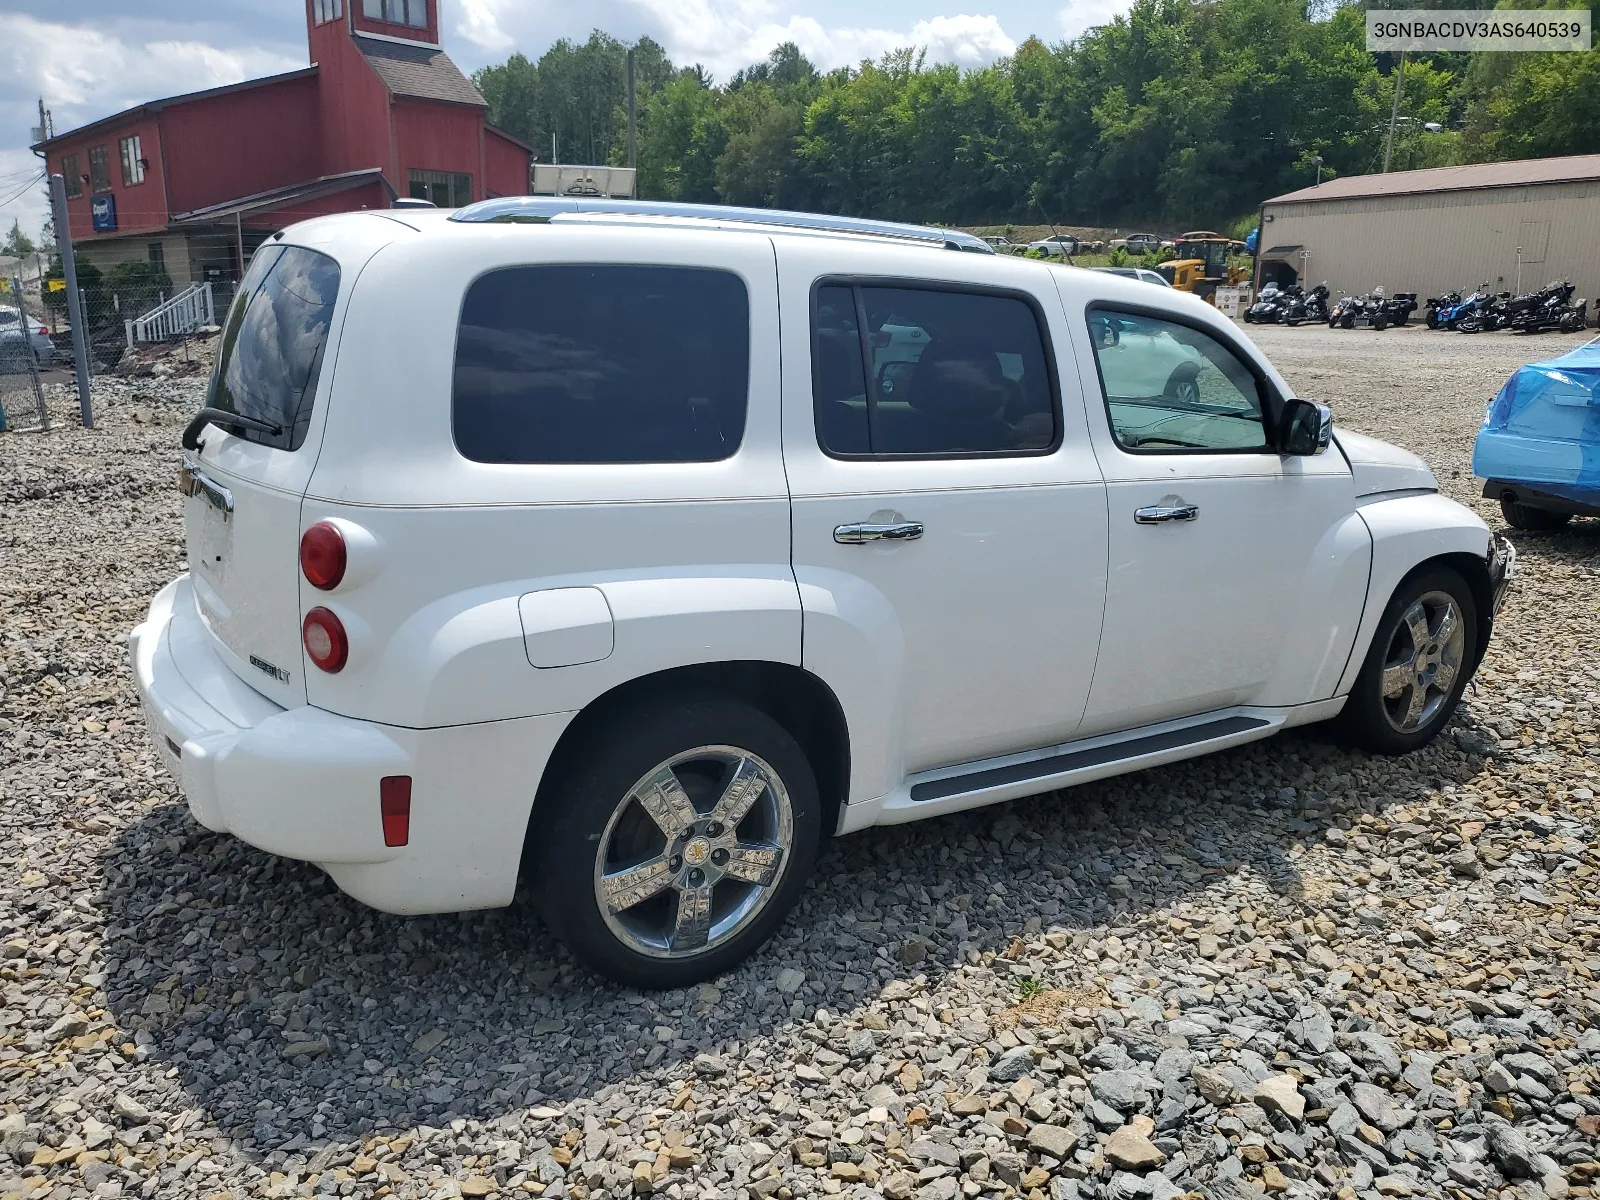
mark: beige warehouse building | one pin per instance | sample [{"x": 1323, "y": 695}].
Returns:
[{"x": 1513, "y": 225}]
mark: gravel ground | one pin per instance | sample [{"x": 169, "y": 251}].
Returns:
[{"x": 1288, "y": 967}]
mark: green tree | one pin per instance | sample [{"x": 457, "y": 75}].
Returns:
[{"x": 17, "y": 243}]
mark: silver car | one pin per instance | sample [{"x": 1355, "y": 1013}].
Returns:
[
  {"x": 17, "y": 329},
  {"x": 1142, "y": 274}
]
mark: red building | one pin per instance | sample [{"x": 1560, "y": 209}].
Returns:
[{"x": 197, "y": 182}]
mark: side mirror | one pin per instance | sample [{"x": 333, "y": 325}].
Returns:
[{"x": 1306, "y": 428}]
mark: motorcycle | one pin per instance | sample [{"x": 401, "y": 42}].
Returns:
[
  {"x": 1549, "y": 308},
  {"x": 1398, "y": 308},
  {"x": 1478, "y": 312},
  {"x": 1308, "y": 306},
  {"x": 1347, "y": 312},
  {"x": 1268, "y": 305},
  {"x": 1439, "y": 304}
]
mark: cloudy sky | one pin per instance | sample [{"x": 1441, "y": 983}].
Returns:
[{"x": 90, "y": 58}]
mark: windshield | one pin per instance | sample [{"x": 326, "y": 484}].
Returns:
[{"x": 272, "y": 343}]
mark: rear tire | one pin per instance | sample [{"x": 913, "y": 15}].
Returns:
[
  {"x": 1526, "y": 516},
  {"x": 1417, "y": 666},
  {"x": 689, "y": 896}
]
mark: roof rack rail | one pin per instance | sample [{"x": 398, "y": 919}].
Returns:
[{"x": 541, "y": 210}]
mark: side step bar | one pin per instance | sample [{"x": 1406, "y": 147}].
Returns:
[
  {"x": 969, "y": 785},
  {"x": 1077, "y": 760}
]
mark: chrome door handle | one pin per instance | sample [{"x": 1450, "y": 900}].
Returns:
[
  {"x": 870, "y": 531},
  {"x": 1155, "y": 514}
]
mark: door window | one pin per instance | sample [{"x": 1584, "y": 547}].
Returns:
[
  {"x": 1170, "y": 387},
  {"x": 899, "y": 370}
]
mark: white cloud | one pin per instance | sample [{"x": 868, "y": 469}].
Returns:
[
  {"x": 84, "y": 74},
  {"x": 724, "y": 35},
  {"x": 1083, "y": 15}
]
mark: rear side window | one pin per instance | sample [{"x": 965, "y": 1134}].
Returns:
[
  {"x": 273, "y": 342},
  {"x": 602, "y": 364},
  {"x": 929, "y": 372}
]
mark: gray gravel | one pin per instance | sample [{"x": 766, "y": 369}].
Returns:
[{"x": 1287, "y": 967}]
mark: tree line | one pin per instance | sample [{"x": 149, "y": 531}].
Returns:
[{"x": 1182, "y": 112}]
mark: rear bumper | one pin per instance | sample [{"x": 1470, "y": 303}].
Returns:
[{"x": 303, "y": 782}]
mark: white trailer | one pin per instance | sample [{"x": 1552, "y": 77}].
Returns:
[{"x": 561, "y": 179}]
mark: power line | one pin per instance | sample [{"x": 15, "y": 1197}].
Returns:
[{"x": 22, "y": 189}]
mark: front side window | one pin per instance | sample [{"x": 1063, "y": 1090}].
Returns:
[
  {"x": 1170, "y": 387},
  {"x": 929, "y": 372},
  {"x": 72, "y": 174},
  {"x": 132, "y": 161},
  {"x": 273, "y": 342},
  {"x": 99, "y": 170},
  {"x": 602, "y": 364},
  {"x": 445, "y": 189}
]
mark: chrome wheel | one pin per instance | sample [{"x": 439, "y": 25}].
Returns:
[
  {"x": 1184, "y": 391},
  {"x": 693, "y": 852},
  {"x": 1423, "y": 661}
]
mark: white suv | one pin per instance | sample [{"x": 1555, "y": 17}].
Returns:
[{"x": 632, "y": 549}]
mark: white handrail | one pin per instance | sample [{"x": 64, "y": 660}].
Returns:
[{"x": 185, "y": 312}]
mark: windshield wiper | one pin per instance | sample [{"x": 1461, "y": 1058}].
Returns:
[{"x": 221, "y": 416}]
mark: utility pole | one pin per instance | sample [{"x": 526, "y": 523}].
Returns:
[
  {"x": 75, "y": 305},
  {"x": 1394, "y": 112},
  {"x": 633, "y": 117},
  {"x": 553, "y": 159}
]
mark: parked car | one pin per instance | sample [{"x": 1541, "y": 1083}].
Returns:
[
  {"x": 18, "y": 331},
  {"x": 1002, "y": 245},
  {"x": 1537, "y": 448},
  {"x": 1138, "y": 243},
  {"x": 1139, "y": 273},
  {"x": 1057, "y": 245},
  {"x": 608, "y": 563}
]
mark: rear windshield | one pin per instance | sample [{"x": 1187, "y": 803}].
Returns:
[
  {"x": 273, "y": 341},
  {"x": 602, "y": 364}
]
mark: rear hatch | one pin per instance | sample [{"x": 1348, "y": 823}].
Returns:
[{"x": 243, "y": 485}]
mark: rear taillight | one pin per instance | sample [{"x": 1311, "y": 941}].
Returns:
[
  {"x": 323, "y": 555},
  {"x": 325, "y": 641},
  {"x": 394, "y": 804}
]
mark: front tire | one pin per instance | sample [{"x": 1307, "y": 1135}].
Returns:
[
  {"x": 1526, "y": 516},
  {"x": 674, "y": 840},
  {"x": 1421, "y": 657}
]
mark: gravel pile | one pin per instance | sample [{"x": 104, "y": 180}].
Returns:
[{"x": 1288, "y": 969}]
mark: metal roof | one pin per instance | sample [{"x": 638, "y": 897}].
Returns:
[
  {"x": 1520, "y": 173},
  {"x": 153, "y": 106},
  {"x": 278, "y": 197},
  {"x": 425, "y": 72},
  {"x": 544, "y": 209}
]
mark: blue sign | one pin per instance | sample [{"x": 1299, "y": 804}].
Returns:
[{"x": 103, "y": 212}]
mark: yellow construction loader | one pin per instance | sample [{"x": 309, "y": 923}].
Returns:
[{"x": 1200, "y": 264}]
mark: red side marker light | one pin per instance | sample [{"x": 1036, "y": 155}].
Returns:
[{"x": 394, "y": 802}]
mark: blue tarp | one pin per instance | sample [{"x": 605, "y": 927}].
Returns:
[
  {"x": 1543, "y": 429},
  {"x": 1250, "y": 240}
]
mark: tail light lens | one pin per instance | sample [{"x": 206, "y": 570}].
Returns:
[
  {"x": 394, "y": 804},
  {"x": 323, "y": 555},
  {"x": 325, "y": 640}
]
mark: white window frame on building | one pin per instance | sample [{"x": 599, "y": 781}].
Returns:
[
  {"x": 133, "y": 163},
  {"x": 444, "y": 189},
  {"x": 397, "y": 12},
  {"x": 323, "y": 11}
]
